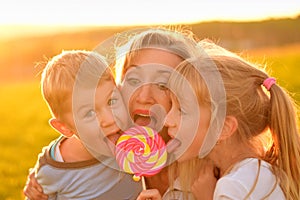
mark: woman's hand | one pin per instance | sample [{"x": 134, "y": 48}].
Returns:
[
  {"x": 152, "y": 194},
  {"x": 32, "y": 189},
  {"x": 204, "y": 186}
]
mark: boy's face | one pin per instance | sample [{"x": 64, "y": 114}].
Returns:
[{"x": 98, "y": 117}]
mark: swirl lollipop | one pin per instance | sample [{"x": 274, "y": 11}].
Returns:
[{"x": 141, "y": 151}]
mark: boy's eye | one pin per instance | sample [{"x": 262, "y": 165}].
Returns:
[
  {"x": 112, "y": 101},
  {"x": 90, "y": 113}
]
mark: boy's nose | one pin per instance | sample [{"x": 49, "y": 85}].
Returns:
[{"x": 107, "y": 119}]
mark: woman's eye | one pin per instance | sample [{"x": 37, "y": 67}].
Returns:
[
  {"x": 112, "y": 101},
  {"x": 90, "y": 113},
  {"x": 133, "y": 81}
]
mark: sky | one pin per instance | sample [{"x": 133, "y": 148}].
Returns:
[
  {"x": 136, "y": 12},
  {"x": 48, "y": 16}
]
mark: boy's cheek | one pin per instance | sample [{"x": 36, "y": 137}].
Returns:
[
  {"x": 122, "y": 117},
  {"x": 92, "y": 137}
]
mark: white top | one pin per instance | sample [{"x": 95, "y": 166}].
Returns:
[
  {"x": 176, "y": 193},
  {"x": 241, "y": 179}
]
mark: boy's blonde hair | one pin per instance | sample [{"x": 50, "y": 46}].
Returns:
[{"x": 61, "y": 72}]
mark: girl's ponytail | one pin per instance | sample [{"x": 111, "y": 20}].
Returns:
[{"x": 286, "y": 139}]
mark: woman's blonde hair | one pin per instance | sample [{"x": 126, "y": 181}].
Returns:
[
  {"x": 257, "y": 110},
  {"x": 178, "y": 41},
  {"x": 61, "y": 72}
]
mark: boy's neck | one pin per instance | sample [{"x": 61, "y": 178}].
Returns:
[{"x": 72, "y": 150}]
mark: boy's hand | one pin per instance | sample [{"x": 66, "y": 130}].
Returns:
[
  {"x": 32, "y": 189},
  {"x": 204, "y": 186},
  {"x": 152, "y": 194}
]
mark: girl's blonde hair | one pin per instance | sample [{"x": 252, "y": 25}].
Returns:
[
  {"x": 61, "y": 72},
  {"x": 187, "y": 172},
  {"x": 257, "y": 110}
]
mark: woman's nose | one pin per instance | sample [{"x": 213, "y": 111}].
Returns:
[{"x": 145, "y": 94}]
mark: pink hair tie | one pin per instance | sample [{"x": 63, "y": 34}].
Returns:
[{"x": 269, "y": 82}]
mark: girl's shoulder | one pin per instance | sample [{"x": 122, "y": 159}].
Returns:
[{"x": 248, "y": 175}]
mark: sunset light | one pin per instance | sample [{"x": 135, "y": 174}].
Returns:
[
  {"x": 137, "y": 12},
  {"x": 128, "y": 35}
]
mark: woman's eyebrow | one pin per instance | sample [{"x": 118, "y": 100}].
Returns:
[{"x": 164, "y": 72}]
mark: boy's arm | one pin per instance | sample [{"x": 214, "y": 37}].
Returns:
[{"x": 33, "y": 190}]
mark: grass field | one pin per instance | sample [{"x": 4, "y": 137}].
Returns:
[
  {"x": 24, "y": 125},
  {"x": 282, "y": 63},
  {"x": 24, "y": 131}
]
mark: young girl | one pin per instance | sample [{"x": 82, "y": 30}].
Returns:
[{"x": 242, "y": 164}]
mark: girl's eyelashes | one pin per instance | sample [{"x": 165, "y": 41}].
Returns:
[
  {"x": 162, "y": 86},
  {"x": 176, "y": 105},
  {"x": 182, "y": 111}
]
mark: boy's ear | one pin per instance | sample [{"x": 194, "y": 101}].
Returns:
[
  {"x": 60, "y": 127},
  {"x": 230, "y": 126}
]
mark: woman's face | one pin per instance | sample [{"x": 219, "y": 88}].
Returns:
[{"x": 144, "y": 87}]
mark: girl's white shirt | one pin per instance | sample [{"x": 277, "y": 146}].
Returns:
[{"x": 241, "y": 179}]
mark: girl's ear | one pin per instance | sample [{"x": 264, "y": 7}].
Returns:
[
  {"x": 60, "y": 127},
  {"x": 230, "y": 126}
]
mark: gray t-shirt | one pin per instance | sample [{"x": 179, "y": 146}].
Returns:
[{"x": 84, "y": 180}]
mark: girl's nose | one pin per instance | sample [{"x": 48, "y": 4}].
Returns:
[{"x": 169, "y": 120}]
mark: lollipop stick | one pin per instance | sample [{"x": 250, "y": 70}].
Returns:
[{"x": 144, "y": 183}]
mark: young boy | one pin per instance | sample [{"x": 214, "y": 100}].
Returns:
[{"x": 80, "y": 92}]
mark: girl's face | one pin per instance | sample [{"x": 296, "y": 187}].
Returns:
[
  {"x": 144, "y": 86},
  {"x": 188, "y": 122}
]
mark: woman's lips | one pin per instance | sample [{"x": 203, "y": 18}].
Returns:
[
  {"x": 142, "y": 120},
  {"x": 143, "y": 117}
]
